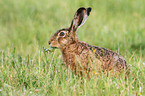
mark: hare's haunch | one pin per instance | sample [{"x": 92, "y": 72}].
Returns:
[{"x": 81, "y": 57}]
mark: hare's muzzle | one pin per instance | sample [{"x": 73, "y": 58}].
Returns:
[
  {"x": 53, "y": 44},
  {"x": 49, "y": 42}
]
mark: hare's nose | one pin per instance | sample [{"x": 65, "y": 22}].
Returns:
[{"x": 49, "y": 43}]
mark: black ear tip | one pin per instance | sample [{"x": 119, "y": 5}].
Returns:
[
  {"x": 89, "y": 10},
  {"x": 80, "y": 10}
]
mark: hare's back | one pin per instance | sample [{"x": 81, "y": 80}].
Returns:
[{"x": 108, "y": 57}]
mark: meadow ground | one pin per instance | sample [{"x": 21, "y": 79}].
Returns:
[{"x": 27, "y": 25}]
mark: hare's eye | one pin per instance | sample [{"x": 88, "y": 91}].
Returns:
[{"x": 61, "y": 34}]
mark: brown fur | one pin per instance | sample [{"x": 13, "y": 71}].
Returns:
[{"x": 81, "y": 57}]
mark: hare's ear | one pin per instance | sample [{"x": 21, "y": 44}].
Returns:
[{"x": 79, "y": 18}]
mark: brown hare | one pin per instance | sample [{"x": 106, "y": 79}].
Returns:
[{"x": 81, "y": 57}]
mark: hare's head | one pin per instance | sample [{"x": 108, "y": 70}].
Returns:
[{"x": 68, "y": 36}]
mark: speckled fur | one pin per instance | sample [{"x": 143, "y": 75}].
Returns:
[{"x": 81, "y": 57}]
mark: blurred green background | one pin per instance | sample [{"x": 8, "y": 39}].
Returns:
[{"x": 27, "y": 25}]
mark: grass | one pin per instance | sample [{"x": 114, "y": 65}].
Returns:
[{"x": 27, "y": 25}]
